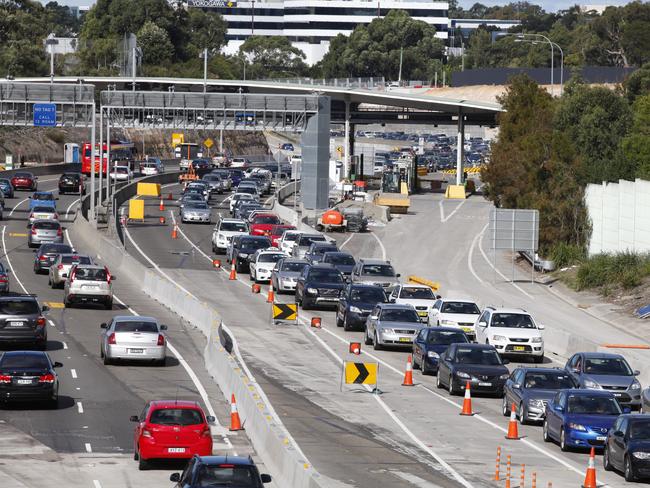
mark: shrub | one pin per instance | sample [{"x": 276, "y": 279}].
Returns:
[
  {"x": 564, "y": 254},
  {"x": 604, "y": 270}
]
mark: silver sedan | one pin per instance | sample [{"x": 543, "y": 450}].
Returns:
[
  {"x": 196, "y": 212},
  {"x": 60, "y": 268},
  {"x": 133, "y": 337}
]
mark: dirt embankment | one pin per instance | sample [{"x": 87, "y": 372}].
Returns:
[{"x": 46, "y": 145}]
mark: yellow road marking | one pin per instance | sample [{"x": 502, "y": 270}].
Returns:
[
  {"x": 17, "y": 234},
  {"x": 55, "y": 304}
]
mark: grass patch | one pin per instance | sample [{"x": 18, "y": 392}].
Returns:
[
  {"x": 625, "y": 270},
  {"x": 564, "y": 254}
]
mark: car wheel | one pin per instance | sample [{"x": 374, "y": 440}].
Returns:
[
  {"x": 143, "y": 465},
  {"x": 504, "y": 407},
  {"x": 54, "y": 402},
  {"x": 107, "y": 360},
  {"x": 522, "y": 414},
  {"x": 305, "y": 304},
  {"x": 414, "y": 362},
  {"x": 563, "y": 445},
  {"x": 101, "y": 353},
  {"x": 346, "y": 327},
  {"x": 607, "y": 465},
  {"x": 109, "y": 305},
  {"x": 545, "y": 434},
  {"x": 628, "y": 474},
  {"x": 339, "y": 322},
  {"x": 367, "y": 341},
  {"x": 375, "y": 343},
  {"x": 439, "y": 381},
  {"x": 450, "y": 386}
]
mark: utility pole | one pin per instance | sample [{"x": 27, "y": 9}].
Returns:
[
  {"x": 401, "y": 55},
  {"x": 205, "y": 69}
]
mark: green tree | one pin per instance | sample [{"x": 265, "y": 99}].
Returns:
[
  {"x": 271, "y": 57},
  {"x": 155, "y": 44},
  {"x": 636, "y": 145},
  {"x": 638, "y": 83},
  {"x": 23, "y": 27},
  {"x": 206, "y": 30},
  {"x": 596, "y": 119},
  {"x": 533, "y": 165}
]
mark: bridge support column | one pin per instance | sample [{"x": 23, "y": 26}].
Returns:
[
  {"x": 460, "y": 147},
  {"x": 314, "y": 188}
]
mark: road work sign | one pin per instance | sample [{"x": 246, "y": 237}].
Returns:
[
  {"x": 285, "y": 312},
  {"x": 208, "y": 143},
  {"x": 360, "y": 373}
]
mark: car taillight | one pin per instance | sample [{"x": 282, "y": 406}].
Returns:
[
  {"x": 108, "y": 274},
  {"x": 31, "y": 215},
  {"x": 59, "y": 232},
  {"x": 43, "y": 258},
  {"x": 60, "y": 266},
  {"x": 206, "y": 432},
  {"x": 56, "y": 216},
  {"x": 33, "y": 231},
  {"x": 46, "y": 378},
  {"x": 3, "y": 278},
  {"x": 40, "y": 321},
  {"x": 161, "y": 340},
  {"x": 5, "y": 378},
  {"x": 111, "y": 338},
  {"x": 146, "y": 433}
]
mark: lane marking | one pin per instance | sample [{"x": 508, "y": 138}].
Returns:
[
  {"x": 346, "y": 241},
  {"x": 80, "y": 407},
  {"x": 67, "y": 211},
  {"x": 470, "y": 254},
  {"x": 88, "y": 447},
  {"x": 55, "y": 305},
  {"x": 381, "y": 245},
  {"x": 17, "y": 234},
  {"x": 73, "y": 372},
  {"x": 11, "y": 266},
  {"x": 97, "y": 484},
  {"x": 51, "y": 322},
  {"x": 65, "y": 345},
  {"x": 444, "y": 219},
  {"x": 17, "y": 205}
]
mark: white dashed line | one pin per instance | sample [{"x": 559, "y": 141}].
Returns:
[
  {"x": 97, "y": 484},
  {"x": 51, "y": 323},
  {"x": 89, "y": 448},
  {"x": 65, "y": 345},
  {"x": 70, "y": 206},
  {"x": 73, "y": 372},
  {"x": 381, "y": 245},
  {"x": 80, "y": 407}
]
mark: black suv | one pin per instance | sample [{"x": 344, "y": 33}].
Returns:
[
  {"x": 71, "y": 183},
  {"x": 232, "y": 471},
  {"x": 243, "y": 248},
  {"x": 22, "y": 321},
  {"x": 319, "y": 284},
  {"x": 356, "y": 303}
]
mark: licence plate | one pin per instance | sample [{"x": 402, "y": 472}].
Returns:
[
  {"x": 405, "y": 339},
  {"x": 467, "y": 329},
  {"x": 601, "y": 438},
  {"x": 618, "y": 395},
  {"x": 484, "y": 384},
  {"x": 16, "y": 324},
  {"x": 90, "y": 287},
  {"x": 422, "y": 314},
  {"x": 176, "y": 449},
  {"x": 24, "y": 382},
  {"x": 136, "y": 351},
  {"x": 519, "y": 348}
]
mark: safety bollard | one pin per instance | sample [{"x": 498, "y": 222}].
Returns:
[{"x": 498, "y": 466}]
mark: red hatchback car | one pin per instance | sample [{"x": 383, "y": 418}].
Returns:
[
  {"x": 261, "y": 223},
  {"x": 171, "y": 429},
  {"x": 24, "y": 181},
  {"x": 276, "y": 233}
]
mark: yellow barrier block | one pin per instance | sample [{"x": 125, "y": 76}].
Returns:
[
  {"x": 136, "y": 209},
  {"x": 404, "y": 189},
  {"x": 455, "y": 191},
  {"x": 149, "y": 189},
  {"x": 434, "y": 285}
]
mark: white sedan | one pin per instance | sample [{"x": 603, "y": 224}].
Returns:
[{"x": 121, "y": 173}]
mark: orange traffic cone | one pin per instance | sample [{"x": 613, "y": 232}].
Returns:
[
  {"x": 590, "y": 477},
  {"x": 513, "y": 429},
  {"x": 161, "y": 207},
  {"x": 270, "y": 298},
  {"x": 235, "y": 422},
  {"x": 408, "y": 375},
  {"x": 175, "y": 232},
  {"x": 233, "y": 272},
  {"x": 467, "y": 402}
]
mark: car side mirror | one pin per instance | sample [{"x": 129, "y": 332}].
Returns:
[
  {"x": 103, "y": 325},
  {"x": 438, "y": 297},
  {"x": 482, "y": 324},
  {"x": 373, "y": 317},
  {"x": 541, "y": 326},
  {"x": 516, "y": 386},
  {"x": 505, "y": 361},
  {"x": 617, "y": 433},
  {"x": 558, "y": 408},
  {"x": 163, "y": 327},
  {"x": 575, "y": 370},
  {"x": 210, "y": 419},
  {"x": 391, "y": 299},
  {"x": 57, "y": 365},
  {"x": 397, "y": 275},
  {"x": 266, "y": 478},
  {"x": 45, "y": 308},
  {"x": 627, "y": 410},
  {"x": 175, "y": 477},
  {"x": 134, "y": 418},
  {"x": 637, "y": 372}
]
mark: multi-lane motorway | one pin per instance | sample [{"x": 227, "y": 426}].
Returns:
[{"x": 405, "y": 436}]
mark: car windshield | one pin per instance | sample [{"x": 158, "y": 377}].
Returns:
[
  {"x": 43, "y": 196},
  {"x": 367, "y": 295},
  {"x": 211, "y": 178},
  {"x": 289, "y": 237},
  {"x": 483, "y": 357},
  {"x": 548, "y": 381},
  {"x": 226, "y": 475},
  {"x": 233, "y": 227},
  {"x": 594, "y": 405},
  {"x": 640, "y": 429},
  {"x": 266, "y": 219},
  {"x": 121, "y": 169},
  {"x": 608, "y": 366},
  {"x": 306, "y": 241},
  {"x": 47, "y": 225},
  {"x": 90, "y": 274},
  {"x": 445, "y": 337},
  {"x": 512, "y": 321},
  {"x": 136, "y": 326},
  {"x": 255, "y": 244},
  {"x": 192, "y": 196},
  {"x": 22, "y": 175},
  {"x": 5, "y": 182},
  {"x": 43, "y": 209},
  {"x": 176, "y": 416},
  {"x": 242, "y": 196},
  {"x": 247, "y": 189},
  {"x": 461, "y": 308},
  {"x": 55, "y": 249},
  {"x": 378, "y": 270},
  {"x": 26, "y": 361},
  {"x": 293, "y": 266},
  {"x": 71, "y": 258},
  {"x": 417, "y": 293},
  {"x": 325, "y": 275},
  {"x": 399, "y": 315},
  {"x": 342, "y": 259},
  {"x": 18, "y": 307},
  {"x": 270, "y": 258},
  {"x": 197, "y": 206}
]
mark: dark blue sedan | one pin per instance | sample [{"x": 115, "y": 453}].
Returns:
[
  {"x": 430, "y": 343},
  {"x": 7, "y": 188},
  {"x": 580, "y": 418}
]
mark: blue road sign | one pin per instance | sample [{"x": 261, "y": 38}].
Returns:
[{"x": 44, "y": 114}]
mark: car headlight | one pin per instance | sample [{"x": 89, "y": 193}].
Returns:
[
  {"x": 463, "y": 375},
  {"x": 448, "y": 322},
  {"x": 641, "y": 455},
  {"x": 592, "y": 385},
  {"x": 537, "y": 339},
  {"x": 504, "y": 376},
  {"x": 354, "y": 309},
  {"x": 579, "y": 427},
  {"x": 635, "y": 385},
  {"x": 312, "y": 291},
  {"x": 433, "y": 355},
  {"x": 499, "y": 338},
  {"x": 534, "y": 403},
  {"x": 386, "y": 331},
  {"x": 243, "y": 255}
]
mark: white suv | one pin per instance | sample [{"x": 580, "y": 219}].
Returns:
[
  {"x": 263, "y": 262},
  {"x": 511, "y": 331},
  {"x": 289, "y": 238},
  {"x": 455, "y": 312},
  {"x": 224, "y": 231},
  {"x": 88, "y": 283},
  {"x": 420, "y": 296}
]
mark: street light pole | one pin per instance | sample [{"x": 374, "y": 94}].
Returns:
[
  {"x": 521, "y": 38},
  {"x": 561, "y": 68},
  {"x": 401, "y": 54},
  {"x": 205, "y": 69}
]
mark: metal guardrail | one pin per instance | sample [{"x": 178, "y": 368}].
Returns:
[{"x": 360, "y": 82}]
